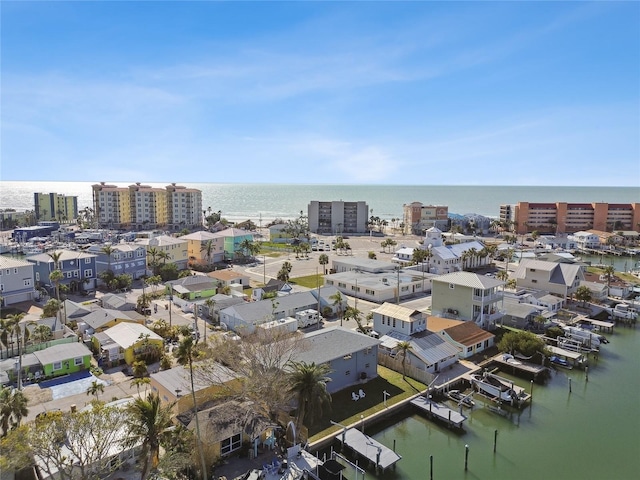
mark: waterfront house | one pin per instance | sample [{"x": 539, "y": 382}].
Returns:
[
  {"x": 586, "y": 239},
  {"x": 389, "y": 317},
  {"x": 467, "y": 296},
  {"x": 78, "y": 270},
  {"x": 125, "y": 258},
  {"x": 17, "y": 282},
  {"x": 124, "y": 341},
  {"x": 468, "y": 337},
  {"x": 428, "y": 353},
  {"x": 192, "y": 287},
  {"x": 599, "y": 290},
  {"x": 226, "y": 427},
  {"x": 174, "y": 386},
  {"x": 198, "y": 248},
  {"x": 352, "y": 356},
  {"x": 559, "y": 279}
]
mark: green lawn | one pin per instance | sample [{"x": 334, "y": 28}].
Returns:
[
  {"x": 310, "y": 281},
  {"x": 346, "y": 411}
]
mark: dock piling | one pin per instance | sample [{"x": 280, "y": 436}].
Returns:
[
  {"x": 531, "y": 393},
  {"x": 586, "y": 373},
  {"x": 466, "y": 457},
  {"x": 430, "y": 467},
  {"x": 495, "y": 440},
  {"x": 569, "y": 385}
]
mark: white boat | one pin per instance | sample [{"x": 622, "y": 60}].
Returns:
[
  {"x": 460, "y": 398},
  {"x": 586, "y": 337},
  {"x": 495, "y": 388}
]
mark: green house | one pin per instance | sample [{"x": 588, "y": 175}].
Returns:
[
  {"x": 193, "y": 287},
  {"x": 63, "y": 359}
]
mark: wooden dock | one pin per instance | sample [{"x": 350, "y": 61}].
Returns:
[
  {"x": 439, "y": 411},
  {"x": 518, "y": 365},
  {"x": 379, "y": 455}
]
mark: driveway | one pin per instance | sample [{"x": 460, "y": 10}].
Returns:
[{"x": 73, "y": 384}]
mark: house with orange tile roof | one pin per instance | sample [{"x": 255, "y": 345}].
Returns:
[{"x": 467, "y": 336}]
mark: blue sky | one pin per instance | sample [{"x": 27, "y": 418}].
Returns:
[{"x": 478, "y": 93}]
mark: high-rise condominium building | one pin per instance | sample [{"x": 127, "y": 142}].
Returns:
[
  {"x": 142, "y": 206},
  {"x": 338, "y": 217},
  {"x": 53, "y": 206}
]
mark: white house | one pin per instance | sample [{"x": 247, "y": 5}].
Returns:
[
  {"x": 585, "y": 239},
  {"x": 389, "y": 317}
]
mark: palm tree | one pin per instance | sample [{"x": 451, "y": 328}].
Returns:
[
  {"x": 610, "y": 273},
  {"x": 208, "y": 248},
  {"x": 13, "y": 406},
  {"x": 108, "y": 250},
  {"x": 185, "y": 355},
  {"x": 41, "y": 333},
  {"x": 56, "y": 277},
  {"x": 56, "y": 255},
  {"x": 308, "y": 382},
  {"x": 96, "y": 388},
  {"x": 16, "y": 330},
  {"x": 323, "y": 260},
  {"x": 148, "y": 423},
  {"x": 338, "y": 301},
  {"x": 583, "y": 294},
  {"x": 285, "y": 270},
  {"x": 164, "y": 256},
  {"x": 140, "y": 381},
  {"x": 152, "y": 253},
  {"x": 210, "y": 303},
  {"x": 403, "y": 349}
]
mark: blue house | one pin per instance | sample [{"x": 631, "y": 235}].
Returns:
[
  {"x": 78, "y": 268},
  {"x": 126, "y": 258}
]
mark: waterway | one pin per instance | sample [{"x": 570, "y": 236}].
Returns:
[{"x": 592, "y": 432}]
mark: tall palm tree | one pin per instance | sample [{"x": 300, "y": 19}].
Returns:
[
  {"x": 108, "y": 250},
  {"x": 208, "y": 248},
  {"x": 164, "y": 256},
  {"x": 152, "y": 254},
  {"x": 56, "y": 255},
  {"x": 323, "y": 260},
  {"x": 308, "y": 382},
  {"x": 13, "y": 406},
  {"x": 96, "y": 388},
  {"x": 403, "y": 349},
  {"x": 148, "y": 423},
  {"x": 609, "y": 272},
  {"x": 185, "y": 355},
  {"x": 338, "y": 301},
  {"x": 21, "y": 335}
]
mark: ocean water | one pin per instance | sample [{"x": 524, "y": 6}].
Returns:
[{"x": 239, "y": 201}]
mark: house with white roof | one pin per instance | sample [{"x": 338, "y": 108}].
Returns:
[
  {"x": 125, "y": 258},
  {"x": 379, "y": 287},
  {"x": 584, "y": 239},
  {"x": 16, "y": 281},
  {"x": 389, "y": 317},
  {"x": 176, "y": 248},
  {"x": 124, "y": 341},
  {"x": 428, "y": 351}
]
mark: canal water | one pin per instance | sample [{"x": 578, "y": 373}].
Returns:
[{"x": 592, "y": 432}]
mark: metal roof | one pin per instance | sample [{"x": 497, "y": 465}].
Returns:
[
  {"x": 468, "y": 279},
  {"x": 334, "y": 342},
  {"x": 61, "y": 352}
]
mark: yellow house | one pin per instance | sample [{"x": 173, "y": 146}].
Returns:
[
  {"x": 103, "y": 318},
  {"x": 174, "y": 385},
  {"x": 198, "y": 250},
  {"x": 124, "y": 341},
  {"x": 175, "y": 248}
]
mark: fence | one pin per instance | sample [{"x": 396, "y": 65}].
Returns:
[{"x": 411, "y": 371}]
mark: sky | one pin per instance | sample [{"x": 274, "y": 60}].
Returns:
[{"x": 415, "y": 93}]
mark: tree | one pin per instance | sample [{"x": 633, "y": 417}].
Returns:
[
  {"x": 139, "y": 369},
  {"x": 13, "y": 407},
  {"x": 56, "y": 278},
  {"x": 185, "y": 354},
  {"x": 285, "y": 270},
  {"x": 403, "y": 349},
  {"x": 352, "y": 313},
  {"x": 610, "y": 273},
  {"x": 583, "y": 294},
  {"x": 74, "y": 445},
  {"x": 372, "y": 255},
  {"x": 148, "y": 423},
  {"x": 525, "y": 343},
  {"x": 137, "y": 382},
  {"x": 308, "y": 382},
  {"x": 338, "y": 301},
  {"x": 208, "y": 248},
  {"x": 108, "y": 250},
  {"x": 323, "y": 260},
  {"x": 152, "y": 254},
  {"x": 96, "y": 388}
]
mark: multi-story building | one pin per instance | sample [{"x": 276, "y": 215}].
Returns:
[
  {"x": 338, "y": 217},
  {"x": 506, "y": 214},
  {"x": 572, "y": 217},
  {"x": 142, "y": 206},
  {"x": 125, "y": 258},
  {"x": 78, "y": 270},
  {"x": 53, "y": 206},
  {"x": 420, "y": 217},
  {"x": 16, "y": 281},
  {"x": 467, "y": 296}
]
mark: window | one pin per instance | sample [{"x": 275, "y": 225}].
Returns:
[
  {"x": 534, "y": 280},
  {"x": 366, "y": 365},
  {"x": 37, "y": 276},
  {"x": 27, "y": 282},
  {"x": 1, "y": 287},
  {"x": 347, "y": 357},
  {"x": 87, "y": 261},
  {"x": 57, "y": 365},
  {"x": 469, "y": 349},
  {"x": 15, "y": 270},
  {"x": 452, "y": 286},
  {"x": 230, "y": 444},
  {"x": 69, "y": 274},
  {"x": 348, "y": 372},
  {"x": 88, "y": 273},
  {"x": 479, "y": 345},
  {"x": 78, "y": 361}
]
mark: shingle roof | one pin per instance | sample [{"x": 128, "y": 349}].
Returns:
[
  {"x": 10, "y": 262},
  {"x": 65, "y": 255},
  {"x": 331, "y": 343},
  {"x": 178, "y": 378}
]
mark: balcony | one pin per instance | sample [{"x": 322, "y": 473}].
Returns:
[{"x": 495, "y": 297}]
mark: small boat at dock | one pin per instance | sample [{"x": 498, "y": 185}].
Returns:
[
  {"x": 460, "y": 398},
  {"x": 499, "y": 390}
]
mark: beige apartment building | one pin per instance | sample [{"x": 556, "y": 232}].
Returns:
[
  {"x": 421, "y": 217},
  {"x": 142, "y": 206}
]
